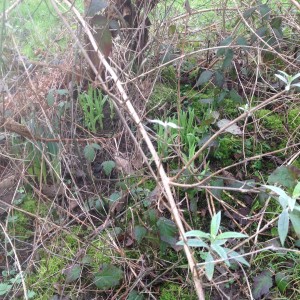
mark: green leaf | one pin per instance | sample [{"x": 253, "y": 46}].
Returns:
[
  {"x": 96, "y": 146},
  {"x": 30, "y": 294},
  {"x": 209, "y": 266},
  {"x": 95, "y": 7},
  {"x": 50, "y": 97},
  {"x": 284, "y": 199},
  {"x": 248, "y": 12},
  {"x": 72, "y": 273},
  {"x": 281, "y": 281},
  {"x": 215, "y": 224},
  {"x": 225, "y": 42},
  {"x": 193, "y": 243},
  {"x": 108, "y": 166},
  {"x": 115, "y": 196},
  {"x": 109, "y": 277},
  {"x": 264, "y": 11},
  {"x": 139, "y": 233},
  {"x": 295, "y": 220},
  {"x": 135, "y": 295},
  {"x": 241, "y": 41},
  {"x": 227, "y": 62},
  {"x": 276, "y": 23},
  {"x": 234, "y": 95},
  {"x": 236, "y": 256},
  {"x": 296, "y": 191},
  {"x": 219, "y": 79},
  {"x": 285, "y": 176},
  {"x": 262, "y": 284},
  {"x": 204, "y": 77},
  {"x": 167, "y": 230},
  {"x": 62, "y": 92},
  {"x": 89, "y": 153},
  {"x": 4, "y": 288},
  {"x": 231, "y": 235},
  {"x": 197, "y": 233},
  {"x": 221, "y": 252},
  {"x": 283, "y": 225}
]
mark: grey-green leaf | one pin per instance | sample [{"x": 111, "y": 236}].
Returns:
[
  {"x": 209, "y": 266},
  {"x": 283, "y": 225},
  {"x": 109, "y": 277},
  {"x": 215, "y": 224},
  {"x": 95, "y": 7},
  {"x": 72, "y": 273},
  {"x": 197, "y": 233},
  {"x": 231, "y": 235},
  {"x": 139, "y": 233}
]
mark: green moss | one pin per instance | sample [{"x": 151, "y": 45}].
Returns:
[
  {"x": 171, "y": 291},
  {"x": 162, "y": 94},
  {"x": 271, "y": 121},
  {"x": 294, "y": 118}
]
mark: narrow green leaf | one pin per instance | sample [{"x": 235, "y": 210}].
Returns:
[
  {"x": 295, "y": 220},
  {"x": 231, "y": 235},
  {"x": 209, "y": 266},
  {"x": 283, "y": 225},
  {"x": 193, "y": 243},
  {"x": 197, "y": 233},
  {"x": 221, "y": 252},
  {"x": 282, "y": 281},
  {"x": 215, "y": 224},
  {"x": 236, "y": 256}
]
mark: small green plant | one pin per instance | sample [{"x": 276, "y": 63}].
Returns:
[
  {"x": 288, "y": 80},
  {"x": 92, "y": 104},
  {"x": 198, "y": 238}
]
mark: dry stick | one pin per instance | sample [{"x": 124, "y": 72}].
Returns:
[
  {"x": 164, "y": 178},
  {"x": 242, "y": 116},
  {"x": 295, "y": 3}
]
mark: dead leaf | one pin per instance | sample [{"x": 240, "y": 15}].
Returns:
[
  {"x": 123, "y": 165},
  {"x": 53, "y": 190},
  {"x": 233, "y": 129}
]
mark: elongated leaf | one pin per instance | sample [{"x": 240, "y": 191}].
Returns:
[
  {"x": 264, "y": 11},
  {"x": 231, "y": 235},
  {"x": 215, "y": 224},
  {"x": 197, "y": 233},
  {"x": 296, "y": 191},
  {"x": 193, "y": 243},
  {"x": 282, "y": 281},
  {"x": 295, "y": 220},
  {"x": 236, "y": 256},
  {"x": 109, "y": 277},
  {"x": 209, "y": 266},
  {"x": 221, "y": 252},
  {"x": 248, "y": 12},
  {"x": 283, "y": 225}
]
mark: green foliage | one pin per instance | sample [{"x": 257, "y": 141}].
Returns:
[
  {"x": 271, "y": 121},
  {"x": 108, "y": 277},
  {"x": 93, "y": 103},
  {"x": 197, "y": 238},
  {"x": 90, "y": 151}
]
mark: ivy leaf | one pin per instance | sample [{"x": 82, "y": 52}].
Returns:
[
  {"x": 108, "y": 166},
  {"x": 204, "y": 77},
  {"x": 283, "y": 225},
  {"x": 72, "y": 273},
  {"x": 139, "y": 233},
  {"x": 109, "y": 277},
  {"x": 95, "y": 7},
  {"x": 262, "y": 284},
  {"x": 209, "y": 266}
]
